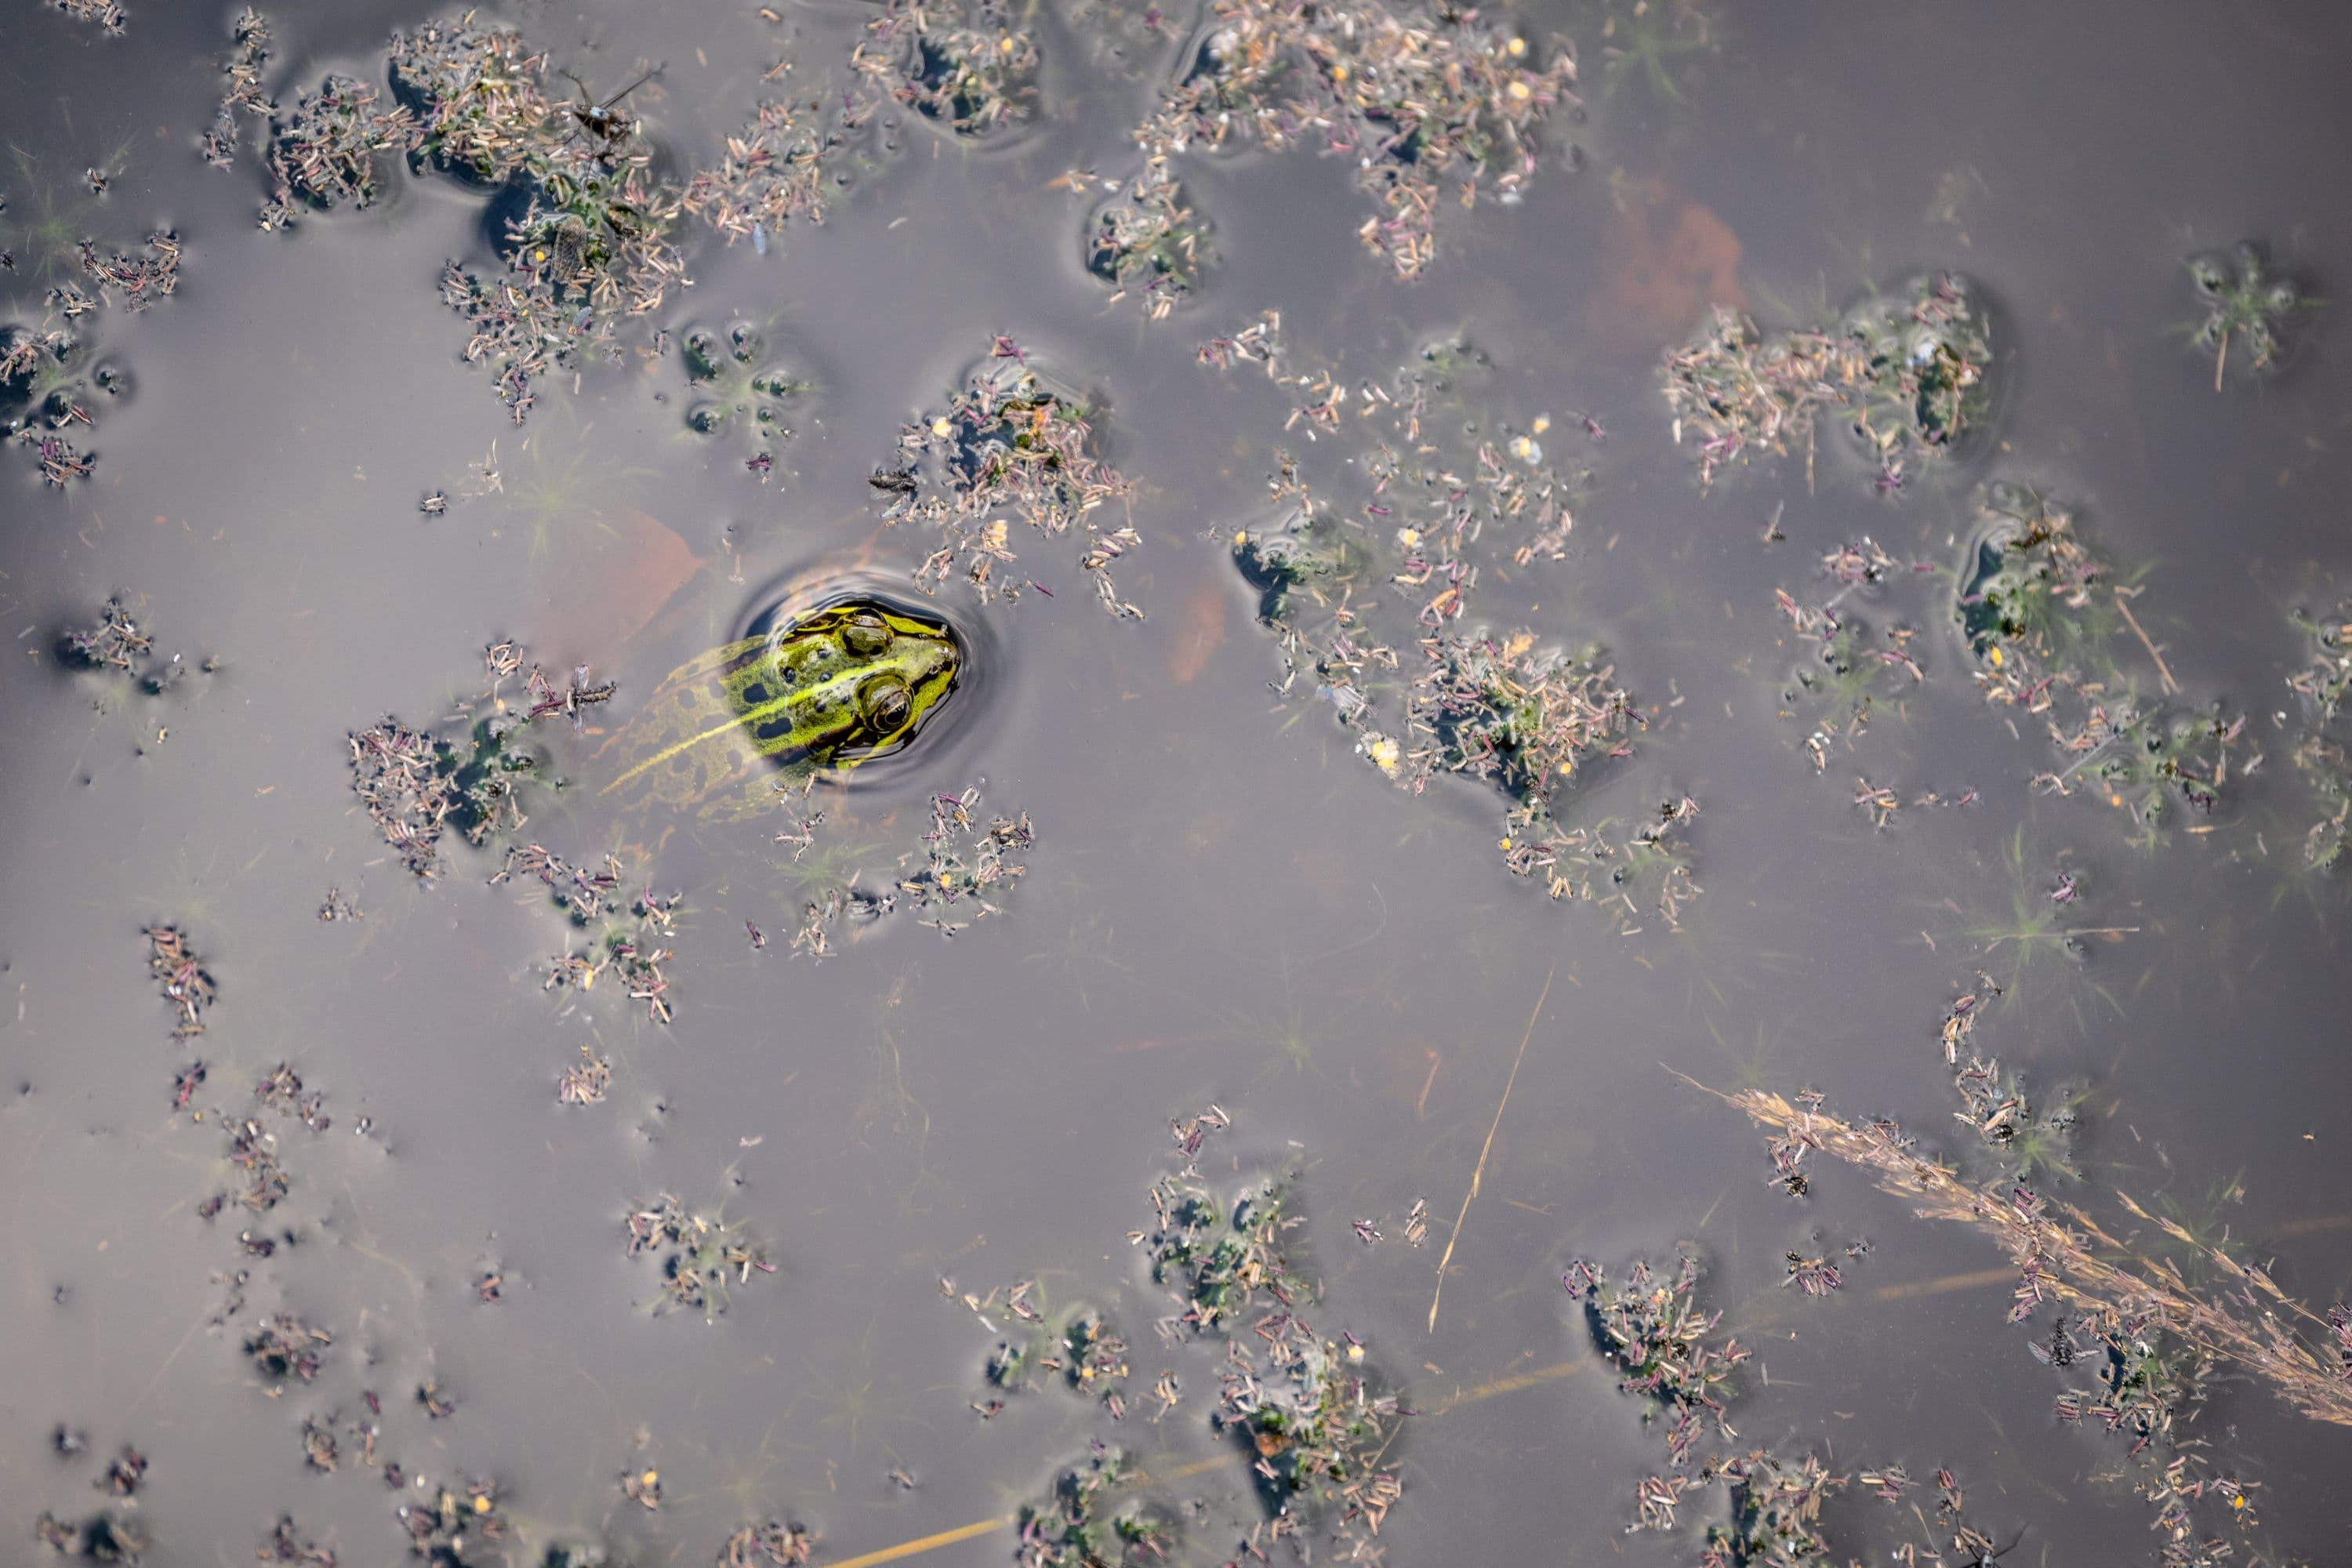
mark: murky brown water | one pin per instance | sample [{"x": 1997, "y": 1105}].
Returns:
[{"x": 1223, "y": 904}]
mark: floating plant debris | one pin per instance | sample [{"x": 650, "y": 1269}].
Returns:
[
  {"x": 1148, "y": 241},
  {"x": 590, "y": 249},
  {"x": 2046, "y": 620},
  {"x": 1907, "y": 372},
  {"x": 1431, "y": 106},
  {"x": 963, "y": 64},
  {"x": 1009, "y": 444},
  {"x": 245, "y": 92},
  {"x": 329, "y": 147},
  {"x": 2245, "y": 305},
  {"x": 2064, "y": 1255},
  {"x": 697, "y": 1253},
  {"x": 964, "y": 858},
  {"x": 110, "y": 16},
  {"x": 774, "y": 1544},
  {"x": 186, "y": 984},
  {"x": 416, "y": 784},
  {"x": 772, "y": 172},
  {"x": 2320, "y": 755}
]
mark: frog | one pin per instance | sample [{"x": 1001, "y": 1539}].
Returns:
[{"x": 726, "y": 733}]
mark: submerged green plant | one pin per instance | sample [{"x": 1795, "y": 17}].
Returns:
[
  {"x": 1645, "y": 38},
  {"x": 729, "y": 384},
  {"x": 2246, "y": 305}
]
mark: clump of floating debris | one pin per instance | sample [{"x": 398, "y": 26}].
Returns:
[
  {"x": 417, "y": 783},
  {"x": 775, "y": 1544},
  {"x": 1347, "y": 597},
  {"x": 48, "y": 385},
  {"x": 110, "y": 16},
  {"x": 1147, "y": 239},
  {"x": 1848, "y": 665},
  {"x": 2245, "y": 305},
  {"x": 331, "y": 147},
  {"x": 243, "y": 68},
  {"x": 2046, "y": 620},
  {"x": 590, "y": 247},
  {"x": 2150, "y": 1339},
  {"x": 2320, "y": 755},
  {"x": 774, "y": 171},
  {"x": 1010, "y": 444},
  {"x": 965, "y": 65},
  {"x": 1907, "y": 372},
  {"x": 696, "y": 1255},
  {"x": 187, "y": 985},
  {"x": 1431, "y": 107}
]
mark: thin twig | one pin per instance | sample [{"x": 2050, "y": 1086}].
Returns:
[
  {"x": 1478, "y": 1172},
  {"x": 2171, "y": 685}
]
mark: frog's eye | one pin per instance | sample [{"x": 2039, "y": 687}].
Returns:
[
  {"x": 866, "y": 633},
  {"x": 882, "y": 702}
]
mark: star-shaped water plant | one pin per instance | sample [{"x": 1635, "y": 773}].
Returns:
[{"x": 2246, "y": 306}]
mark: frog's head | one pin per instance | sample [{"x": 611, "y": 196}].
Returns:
[{"x": 827, "y": 690}]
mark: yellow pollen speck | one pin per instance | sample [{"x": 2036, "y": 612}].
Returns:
[
  {"x": 1542, "y": 423},
  {"x": 481, "y": 1505},
  {"x": 941, "y": 429},
  {"x": 540, "y": 254},
  {"x": 1995, "y": 656},
  {"x": 1505, "y": 846},
  {"x": 1006, "y": 45},
  {"x": 1519, "y": 90},
  {"x": 1241, "y": 536},
  {"x": 650, "y": 1478},
  {"x": 1339, "y": 73},
  {"x": 1518, "y": 47},
  {"x": 2114, "y": 800},
  {"x": 1355, "y": 1352}
]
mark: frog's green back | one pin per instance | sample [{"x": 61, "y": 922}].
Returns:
[{"x": 726, "y": 730}]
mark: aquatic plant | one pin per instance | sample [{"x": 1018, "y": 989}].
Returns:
[
  {"x": 108, "y": 15},
  {"x": 1906, "y": 372},
  {"x": 775, "y": 1544},
  {"x": 1417, "y": 100},
  {"x": 2045, "y": 618},
  {"x": 1085, "y": 1524},
  {"x": 1008, "y": 441},
  {"x": 2245, "y": 304},
  {"x": 1662, "y": 1341},
  {"x": 2320, "y": 756},
  {"x": 773, "y": 172},
  {"x": 696, "y": 1254},
  {"x": 1146, "y": 238},
  {"x": 327, "y": 149},
  {"x": 1626, "y": 867},
  {"x": 590, "y": 249},
  {"x": 965, "y": 858},
  {"x": 1509, "y": 709},
  {"x": 728, "y": 382},
  {"x": 965, "y": 63},
  {"x": 250, "y": 33},
  {"x": 1641, "y": 39}
]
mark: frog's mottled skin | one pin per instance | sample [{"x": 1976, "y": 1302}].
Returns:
[{"x": 725, "y": 732}]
